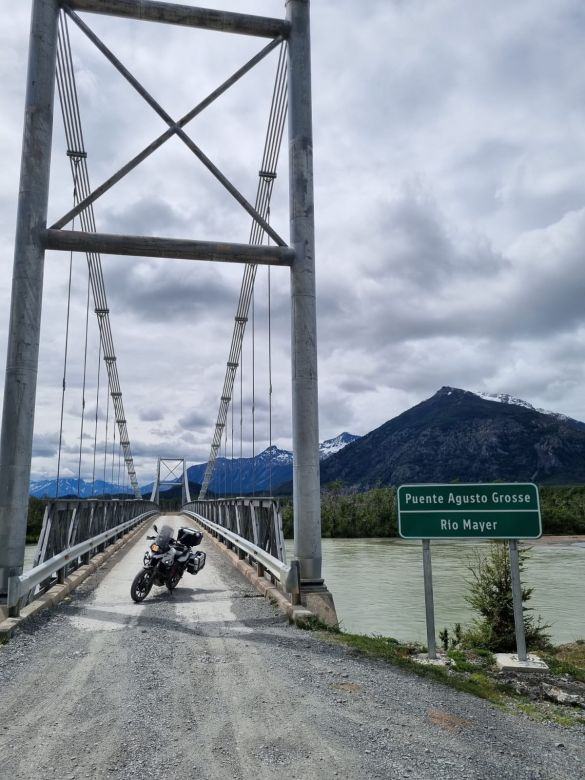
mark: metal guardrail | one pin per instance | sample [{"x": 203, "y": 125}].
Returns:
[
  {"x": 287, "y": 575},
  {"x": 258, "y": 519},
  {"x": 99, "y": 513}
]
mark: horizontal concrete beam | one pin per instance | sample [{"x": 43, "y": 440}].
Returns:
[
  {"x": 177, "y": 248},
  {"x": 188, "y": 16}
]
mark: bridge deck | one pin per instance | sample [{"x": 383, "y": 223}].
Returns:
[{"x": 212, "y": 683}]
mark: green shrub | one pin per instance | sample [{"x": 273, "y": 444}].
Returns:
[{"x": 491, "y": 595}]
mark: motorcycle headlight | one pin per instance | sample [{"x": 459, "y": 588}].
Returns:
[{"x": 154, "y": 547}]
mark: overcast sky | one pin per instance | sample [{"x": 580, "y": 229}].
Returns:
[{"x": 449, "y": 152}]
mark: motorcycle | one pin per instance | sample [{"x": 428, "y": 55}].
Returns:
[{"x": 167, "y": 559}]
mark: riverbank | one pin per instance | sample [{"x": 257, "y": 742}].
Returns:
[
  {"x": 558, "y": 539},
  {"x": 556, "y": 695}
]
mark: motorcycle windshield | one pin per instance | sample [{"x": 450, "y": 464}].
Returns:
[{"x": 164, "y": 537}]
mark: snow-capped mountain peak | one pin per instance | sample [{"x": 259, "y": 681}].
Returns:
[
  {"x": 330, "y": 446},
  {"x": 506, "y": 398}
]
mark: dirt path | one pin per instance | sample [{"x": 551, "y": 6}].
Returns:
[{"x": 211, "y": 683}]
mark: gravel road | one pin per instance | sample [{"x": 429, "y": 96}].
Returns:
[{"x": 212, "y": 683}]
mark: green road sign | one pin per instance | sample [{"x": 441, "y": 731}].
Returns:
[{"x": 483, "y": 511}]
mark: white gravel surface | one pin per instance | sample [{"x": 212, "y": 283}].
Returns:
[{"x": 212, "y": 683}]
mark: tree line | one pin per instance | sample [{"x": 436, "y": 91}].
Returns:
[
  {"x": 349, "y": 514},
  {"x": 373, "y": 513}
]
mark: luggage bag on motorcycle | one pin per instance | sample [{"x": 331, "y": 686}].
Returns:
[
  {"x": 189, "y": 536},
  {"x": 196, "y": 562}
]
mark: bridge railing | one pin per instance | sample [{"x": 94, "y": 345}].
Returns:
[
  {"x": 259, "y": 520},
  {"x": 253, "y": 528},
  {"x": 73, "y": 530}
]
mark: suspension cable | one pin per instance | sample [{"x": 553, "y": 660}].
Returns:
[
  {"x": 225, "y": 441},
  {"x": 76, "y": 150},
  {"x": 241, "y": 419},
  {"x": 113, "y": 453},
  {"x": 66, "y": 347},
  {"x": 83, "y": 387},
  {"x": 253, "y": 393},
  {"x": 267, "y": 175},
  {"x": 97, "y": 409},
  {"x": 64, "y": 374},
  {"x": 269, "y": 384},
  {"x": 106, "y": 442}
]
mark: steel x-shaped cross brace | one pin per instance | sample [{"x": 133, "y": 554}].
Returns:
[{"x": 175, "y": 128}]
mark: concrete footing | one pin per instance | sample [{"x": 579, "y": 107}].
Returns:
[
  {"x": 319, "y": 602},
  {"x": 423, "y": 658},
  {"x": 509, "y": 662}
]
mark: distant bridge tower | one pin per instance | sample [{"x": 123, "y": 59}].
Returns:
[{"x": 168, "y": 473}]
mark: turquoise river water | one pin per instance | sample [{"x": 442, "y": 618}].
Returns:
[{"x": 377, "y": 585}]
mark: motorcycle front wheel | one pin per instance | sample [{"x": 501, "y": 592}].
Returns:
[
  {"x": 141, "y": 585},
  {"x": 173, "y": 581}
]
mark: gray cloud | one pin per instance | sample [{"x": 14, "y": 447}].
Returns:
[
  {"x": 151, "y": 414},
  {"x": 45, "y": 445},
  {"x": 450, "y": 212}
]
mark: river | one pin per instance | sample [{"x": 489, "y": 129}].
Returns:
[{"x": 377, "y": 585}]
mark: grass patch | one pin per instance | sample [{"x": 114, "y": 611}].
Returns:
[
  {"x": 460, "y": 661},
  {"x": 313, "y": 623},
  {"x": 567, "y": 659},
  {"x": 547, "y": 713},
  {"x": 394, "y": 652}
]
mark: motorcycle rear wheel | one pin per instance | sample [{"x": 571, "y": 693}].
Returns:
[{"x": 141, "y": 585}]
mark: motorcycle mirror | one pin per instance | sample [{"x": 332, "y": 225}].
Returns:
[{"x": 155, "y": 528}]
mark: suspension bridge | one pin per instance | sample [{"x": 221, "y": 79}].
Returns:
[{"x": 70, "y": 525}]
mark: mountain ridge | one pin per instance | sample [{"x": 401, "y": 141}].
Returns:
[
  {"x": 266, "y": 470},
  {"x": 458, "y": 435}
]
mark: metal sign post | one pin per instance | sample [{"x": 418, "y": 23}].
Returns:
[
  {"x": 517, "y": 598},
  {"x": 429, "y": 601}
]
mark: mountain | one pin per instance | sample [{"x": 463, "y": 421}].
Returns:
[
  {"x": 460, "y": 435},
  {"x": 247, "y": 475},
  {"x": 263, "y": 473},
  {"x": 46, "y": 488}
]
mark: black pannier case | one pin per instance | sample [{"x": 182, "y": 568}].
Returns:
[
  {"x": 196, "y": 562},
  {"x": 189, "y": 536}
]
